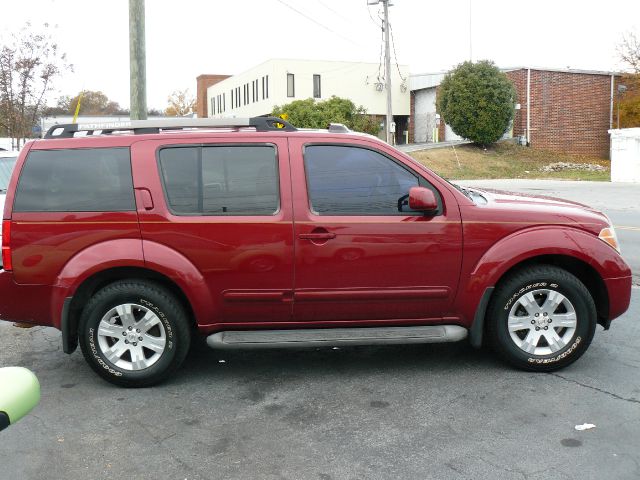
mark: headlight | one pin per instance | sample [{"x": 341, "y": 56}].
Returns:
[{"x": 608, "y": 235}]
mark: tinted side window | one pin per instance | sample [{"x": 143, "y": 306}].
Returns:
[
  {"x": 78, "y": 180},
  {"x": 221, "y": 180},
  {"x": 343, "y": 180}
]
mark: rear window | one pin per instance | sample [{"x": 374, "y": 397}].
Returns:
[{"x": 78, "y": 180}]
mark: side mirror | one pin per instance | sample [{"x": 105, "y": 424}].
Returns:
[
  {"x": 19, "y": 394},
  {"x": 422, "y": 199}
]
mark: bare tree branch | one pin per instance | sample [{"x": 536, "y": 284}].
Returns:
[
  {"x": 629, "y": 51},
  {"x": 28, "y": 66}
]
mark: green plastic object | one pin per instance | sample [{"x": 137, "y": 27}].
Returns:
[{"x": 19, "y": 392}]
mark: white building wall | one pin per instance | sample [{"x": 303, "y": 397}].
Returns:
[
  {"x": 450, "y": 135},
  {"x": 353, "y": 80},
  {"x": 625, "y": 155},
  {"x": 425, "y": 115}
]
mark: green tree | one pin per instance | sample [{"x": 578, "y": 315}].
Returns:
[
  {"x": 477, "y": 101},
  {"x": 311, "y": 114}
]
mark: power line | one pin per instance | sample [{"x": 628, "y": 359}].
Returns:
[
  {"x": 318, "y": 23},
  {"x": 393, "y": 44},
  {"x": 381, "y": 53},
  {"x": 379, "y": 25},
  {"x": 334, "y": 11}
]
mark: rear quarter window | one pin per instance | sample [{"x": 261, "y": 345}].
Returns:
[{"x": 78, "y": 180}]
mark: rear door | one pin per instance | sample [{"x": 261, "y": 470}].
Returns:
[
  {"x": 361, "y": 254},
  {"x": 225, "y": 205},
  {"x": 66, "y": 200}
]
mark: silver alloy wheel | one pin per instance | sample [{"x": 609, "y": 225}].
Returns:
[
  {"x": 131, "y": 337},
  {"x": 542, "y": 322}
]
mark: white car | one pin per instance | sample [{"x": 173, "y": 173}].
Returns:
[{"x": 7, "y": 162}]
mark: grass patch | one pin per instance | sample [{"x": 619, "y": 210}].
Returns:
[{"x": 505, "y": 160}]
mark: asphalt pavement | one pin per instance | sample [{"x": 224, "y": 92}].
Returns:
[{"x": 396, "y": 412}]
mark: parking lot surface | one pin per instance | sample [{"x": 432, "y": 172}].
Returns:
[{"x": 405, "y": 412}]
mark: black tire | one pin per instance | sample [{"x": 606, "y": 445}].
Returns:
[
  {"x": 149, "y": 298},
  {"x": 541, "y": 281}
]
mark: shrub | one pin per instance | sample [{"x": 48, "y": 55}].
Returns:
[
  {"x": 311, "y": 114},
  {"x": 477, "y": 101}
]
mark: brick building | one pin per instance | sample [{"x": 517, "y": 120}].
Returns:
[
  {"x": 203, "y": 82},
  {"x": 568, "y": 111}
]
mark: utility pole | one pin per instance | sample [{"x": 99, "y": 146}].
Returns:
[
  {"x": 137, "y": 61},
  {"x": 387, "y": 62},
  {"x": 387, "y": 67}
]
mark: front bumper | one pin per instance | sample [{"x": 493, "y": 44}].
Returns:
[{"x": 619, "y": 291}]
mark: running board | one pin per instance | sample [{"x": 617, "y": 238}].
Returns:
[{"x": 322, "y": 337}]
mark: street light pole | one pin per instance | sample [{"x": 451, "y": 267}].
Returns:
[
  {"x": 621, "y": 90},
  {"x": 137, "y": 61}
]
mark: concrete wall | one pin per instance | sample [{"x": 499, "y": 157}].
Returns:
[{"x": 353, "y": 80}]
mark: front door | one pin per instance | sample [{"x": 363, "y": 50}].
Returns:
[{"x": 360, "y": 253}]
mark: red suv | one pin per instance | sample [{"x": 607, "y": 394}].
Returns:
[{"x": 132, "y": 238}]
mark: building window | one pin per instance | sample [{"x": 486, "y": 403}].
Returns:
[
  {"x": 238, "y": 97},
  {"x": 213, "y": 105},
  {"x": 263, "y": 89},
  {"x": 316, "y": 86},
  {"x": 224, "y": 102},
  {"x": 266, "y": 84},
  {"x": 232, "y": 98},
  {"x": 291, "y": 85}
]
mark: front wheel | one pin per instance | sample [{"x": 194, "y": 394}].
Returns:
[
  {"x": 134, "y": 333},
  {"x": 541, "y": 319}
]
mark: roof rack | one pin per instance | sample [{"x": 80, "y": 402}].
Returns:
[
  {"x": 338, "y": 128},
  {"x": 261, "y": 124}
]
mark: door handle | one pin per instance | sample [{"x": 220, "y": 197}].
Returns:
[
  {"x": 147, "y": 199},
  {"x": 317, "y": 236}
]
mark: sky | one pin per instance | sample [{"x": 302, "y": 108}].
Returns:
[{"x": 187, "y": 38}]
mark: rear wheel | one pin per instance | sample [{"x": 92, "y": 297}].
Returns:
[
  {"x": 541, "y": 319},
  {"x": 134, "y": 333}
]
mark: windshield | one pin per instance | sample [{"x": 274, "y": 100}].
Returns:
[{"x": 6, "y": 167}]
